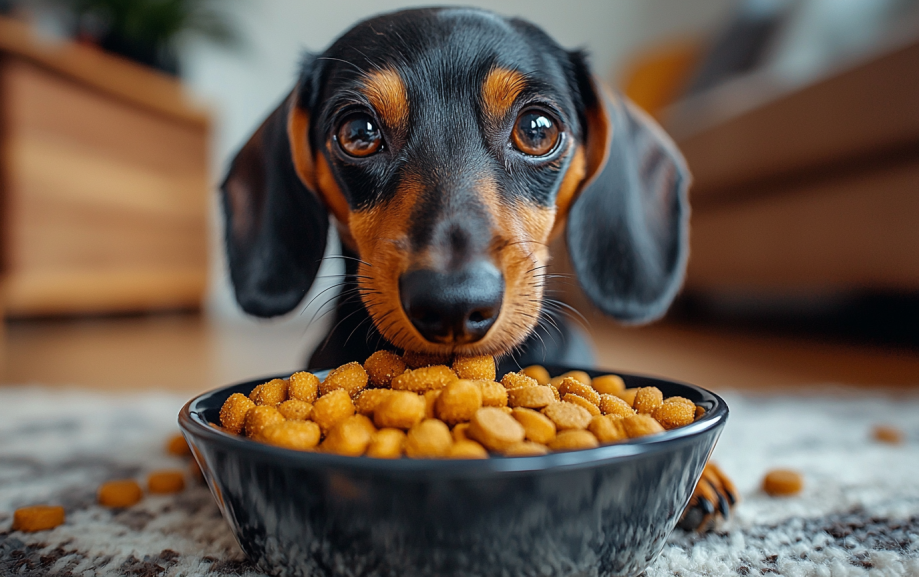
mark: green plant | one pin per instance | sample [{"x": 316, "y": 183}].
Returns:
[{"x": 148, "y": 31}]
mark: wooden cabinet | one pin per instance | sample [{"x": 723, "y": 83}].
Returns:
[
  {"x": 814, "y": 190},
  {"x": 103, "y": 183}
]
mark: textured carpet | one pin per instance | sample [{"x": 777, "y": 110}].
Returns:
[{"x": 858, "y": 514}]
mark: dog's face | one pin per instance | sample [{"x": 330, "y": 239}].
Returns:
[{"x": 449, "y": 146}]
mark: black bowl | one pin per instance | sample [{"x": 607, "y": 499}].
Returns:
[{"x": 603, "y": 511}]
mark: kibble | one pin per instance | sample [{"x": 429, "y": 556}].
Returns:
[
  {"x": 382, "y": 367},
  {"x": 783, "y": 483},
  {"x": 428, "y": 407},
  {"x": 351, "y": 378},
  {"x": 475, "y": 368},
  {"x": 424, "y": 379},
  {"x": 37, "y": 518},
  {"x": 162, "y": 482},
  {"x": 120, "y": 493}
]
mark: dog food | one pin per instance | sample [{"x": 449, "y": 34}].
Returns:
[
  {"x": 177, "y": 446},
  {"x": 37, "y": 518},
  {"x": 783, "y": 483},
  {"x": 162, "y": 482},
  {"x": 424, "y": 407},
  {"x": 887, "y": 434},
  {"x": 120, "y": 493}
]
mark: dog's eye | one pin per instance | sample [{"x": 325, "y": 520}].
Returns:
[
  {"x": 359, "y": 136},
  {"x": 535, "y": 133}
]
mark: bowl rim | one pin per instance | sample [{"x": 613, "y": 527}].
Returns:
[{"x": 193, "y": 423}]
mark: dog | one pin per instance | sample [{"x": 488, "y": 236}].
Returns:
[{"x": 449, "y": 147}]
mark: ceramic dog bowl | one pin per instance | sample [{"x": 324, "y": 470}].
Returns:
[{"x": 603, "y": 511}]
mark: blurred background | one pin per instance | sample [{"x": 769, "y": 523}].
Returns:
[{"x": 798, "y": 118}]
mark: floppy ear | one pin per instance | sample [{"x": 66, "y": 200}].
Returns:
[
  {"x": 627, "y": 230},
  {"x": 276, "y": 227}
]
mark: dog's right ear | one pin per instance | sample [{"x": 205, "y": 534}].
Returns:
[{"x": 276, "y": 225}]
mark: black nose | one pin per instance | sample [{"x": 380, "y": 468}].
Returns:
[{"x": 453, "y": 307}]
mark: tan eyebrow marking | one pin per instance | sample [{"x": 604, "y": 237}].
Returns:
[
  {"x": 501, "y": 88},
  {"x": 386, "y": 92}
]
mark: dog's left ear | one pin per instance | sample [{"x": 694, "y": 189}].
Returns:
[{"x": 627, "y": 229}]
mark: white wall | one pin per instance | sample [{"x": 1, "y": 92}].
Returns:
[{"x": 242, "y": 86}]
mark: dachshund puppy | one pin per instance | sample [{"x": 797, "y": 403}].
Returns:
[{"x": 449, "y": 147}]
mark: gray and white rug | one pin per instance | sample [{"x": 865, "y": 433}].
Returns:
[{"x": 858, "y": 514}]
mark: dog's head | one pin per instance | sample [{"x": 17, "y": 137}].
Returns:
[{"x": 449, "y": 146}]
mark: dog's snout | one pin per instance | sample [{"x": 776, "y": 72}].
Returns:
[{"x": 453, "y": 307}]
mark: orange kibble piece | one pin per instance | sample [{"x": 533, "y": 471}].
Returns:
[
  {"x": 350, "y": 377},
  {"x": 350, "y": 436},
  {"x": 574, "y": 440},
  {"x": 567, "y": 415},
  {"x": 700, "y": 412},
  {"x": 641, "y": 425},
  {"x": 296, "y": 435},
  {"x": 400, "y": 410},
  {"x": 303, "y": 386},
  {"x": 578, "y": 375},
  {"x": 608, "y": 384},
  {"x": 607, "y": 429},
  {"x": 260, "y": 417},
  {"x": 424, "y": 379},
  {"x": 495, "y": 429},
  {"x": 332, "y": 408},
  {"x": 647, "y": 400},
  {"x": 467, "y": 449},
  {"x": 272, "y": 393},
  {"x": 583, "y": 403},
  {"x": 162, "y": 482},
  {"x": 382, "y": 367},
  {"x": 386, "y": 444},
  {"x": 613, "y": 405},
  {"x": 178, "y": 446},
  {"x": 558, "y": 396},
  {"x": 525, "y": 449},
  {"x": 430, "y": 397},
  {"x": 493, "y": 394},
  {"x": 429, "y": 439},
  {"x": 296, "y": 409},
  {"x": 37, "y": 518},
  {"x": 571, "y": 385},
  {"x": 517, "y": 380},
  {"x": 458, "y": 401},
  {"x": 369, "y": 399},
  {"x": 233, "y": 412},
  {"x": 628, "y": 396},
  {"x": 418, "y": 360},
  {"x": 480, "y": 368},
  {"x": 120, "y": 493},
  {"x": 783, "y": 482},
  {"x": 674, "y": 413},
  {"x": 886, "y": 434},
  {"x": 537, "y": 427},
  {"x": 459, "y": 432},
  {"x": 534, "y": 397},
  {"x": 537, "y": 373}
]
